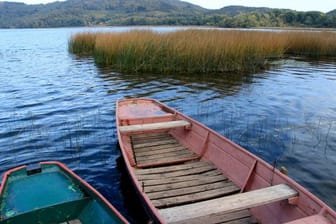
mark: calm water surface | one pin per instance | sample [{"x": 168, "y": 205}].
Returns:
[{"x": 56, "y": 106}]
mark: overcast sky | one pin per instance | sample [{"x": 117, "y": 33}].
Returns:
[{"x": 300, "y": 5}]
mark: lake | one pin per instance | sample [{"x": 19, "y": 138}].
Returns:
[{"x": 57, "y": 106}]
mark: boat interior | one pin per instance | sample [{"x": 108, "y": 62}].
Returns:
[
  {"x": 184, "y": 184},
  {"x": 46, "y": 194},
  {"x": 172, "y": 184}
]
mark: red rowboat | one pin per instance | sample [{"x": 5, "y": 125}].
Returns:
[{"x": 188, "y": 173}]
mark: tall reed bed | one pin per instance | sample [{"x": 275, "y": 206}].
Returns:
[
  {"x": 313, "y": 44},
  {"x": 196, "y": 51},
  {"x": 82, "y": 43}
]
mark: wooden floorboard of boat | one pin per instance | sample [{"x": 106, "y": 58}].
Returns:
[
  {"x": 144, "y": 141},
  {"x": 241, "y": 217},
  {"x": 190, "y": 183},
  {"x": 196, "y": 170},
  {"x": 180, "y": 184},
  {"x": 188, "y": 190},
  {"x": 159, "y": 149},
  {"x": 181, "y": 179},
  {"x": 153, "y": 143},
  {"x": 164, "y": 155},
  {"x": 162, "y": 150},
  {"x": 195, "y": 197},
  {"x": 153, "y": 137},
  {"x": 166, "y": 160},
  {"x": 177, "y": 167},
  {"x": 150, "y": 135}
]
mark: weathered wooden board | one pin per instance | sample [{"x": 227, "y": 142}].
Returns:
[
  {"x": 239, "y": 217},
  {"x": 154, "y": 126},
  {"x": 145, "y": 137},
  {"x": 190, "y": 183},
  {"x": 180, "y": 179},
  {"x": 167, "y": 160},
  {"x": 155, "y": 138},
  {"x": 195, "y": 197},
  {"x": 163, "y": 156},
  {"x": 154, "y": 143},
  {"x": 188, "y": 190},
  {"x": 178, "y": 167},
  {"x": 159, "y": 149},
  {"x": 164, "y": 150},
  {"x": 197, "y": 170},
  {"x": 229, "y": 203}
]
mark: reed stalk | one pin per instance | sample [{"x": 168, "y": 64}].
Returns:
[
  {"x": 199, "y": 51},
  {"x": 82, "y": 43},
  {"x": 313, "y": 44}
]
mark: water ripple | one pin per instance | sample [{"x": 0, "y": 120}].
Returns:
[{"x": 57, "y": 106}]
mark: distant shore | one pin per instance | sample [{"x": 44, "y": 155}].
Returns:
[{"x": 154, "y": 12}]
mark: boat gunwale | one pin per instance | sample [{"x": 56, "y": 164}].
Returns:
[
  {"x": 92, "y": 191},
  {"x": 7, "y": 174},
  {"x": 130, "y": 168},
  {"x": 324, "y": 208}
]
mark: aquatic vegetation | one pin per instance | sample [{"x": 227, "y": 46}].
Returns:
[
  {"x": 313, "y": 44},
  {"x": 82, "y": 43},
  {"x": 198, "y": 51}
]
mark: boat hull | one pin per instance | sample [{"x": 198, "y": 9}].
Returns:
[
  {"x": 49, "y": 192},
  {"x": 145, "y": 125}
]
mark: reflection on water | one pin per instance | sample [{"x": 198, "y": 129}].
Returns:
[
  {"x": 220, "y": 86},
  {"x": 56, "y": 106}
]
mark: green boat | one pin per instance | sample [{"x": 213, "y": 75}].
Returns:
[{"x": 48, "y": 193}]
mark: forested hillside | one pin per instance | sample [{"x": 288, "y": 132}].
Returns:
[{"x": 153, "y": 12}]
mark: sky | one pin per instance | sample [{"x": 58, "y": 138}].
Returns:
[{"x": 299, "y": 5}]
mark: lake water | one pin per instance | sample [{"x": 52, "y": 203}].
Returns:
[{"x": 56, "y": 106}]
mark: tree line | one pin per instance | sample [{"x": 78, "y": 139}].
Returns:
[{"x": 154, "y": 12}]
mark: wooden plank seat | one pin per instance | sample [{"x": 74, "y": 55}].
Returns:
[
  {"x": 159, "y": 149},
  {"x": 238, "y": 217},
  {"x": 228, "y": 204},
  {"x": 154, "y": 126}
]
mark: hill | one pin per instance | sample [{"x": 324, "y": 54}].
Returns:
[
  {"x": 236, "y": 10},
  {"x": 333, "y": 12},
  {"x": 246, "y": 17},
  {"x": 152, "y": 12},
  {"x": 98, "y": 12}
]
